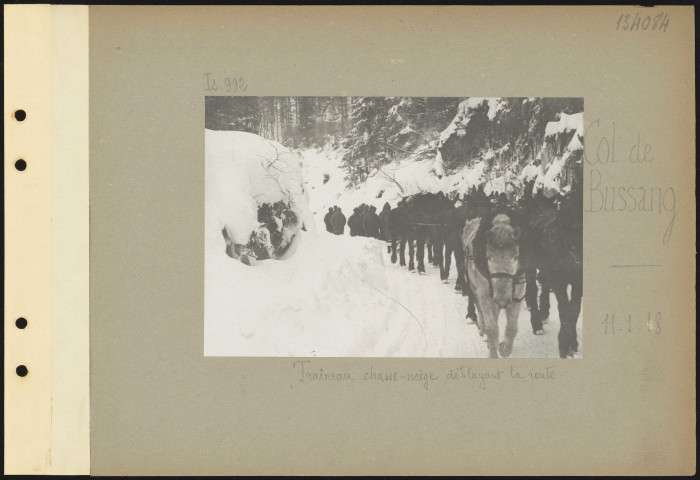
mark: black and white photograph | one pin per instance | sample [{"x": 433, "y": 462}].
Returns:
[{"x": 393, "y": 227}]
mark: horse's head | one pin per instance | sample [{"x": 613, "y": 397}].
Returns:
[{"x": 502, "y": 254}]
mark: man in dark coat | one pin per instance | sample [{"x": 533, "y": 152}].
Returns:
[
  {"x": 361, "y": 214},
  {"x": 384, "y": 222},
  {"x": 371, "y": 223},
  {"x": 327, "y": 220},
  {"x": 502, "y": 200},
  {"x": 354, "y": 222},
  {"x": 481, "y": 201},
  {"x": 338, "y": 221}
]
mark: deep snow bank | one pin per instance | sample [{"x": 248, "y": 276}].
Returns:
[
  {"x": 336, "y": 296},
  {"x": 244, "y": 171}
]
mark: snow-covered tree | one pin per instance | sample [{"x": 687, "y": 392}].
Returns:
[
  {"x": 366, "y": 142},
  {"x": 403, "y": 126}
]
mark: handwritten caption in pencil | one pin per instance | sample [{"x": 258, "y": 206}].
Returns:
[
  {"x": 224, "y": 83},
  {"x": 308, "y": 372},
  {"x": 609, "y": 146}
]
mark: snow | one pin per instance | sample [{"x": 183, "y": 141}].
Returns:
[
  {"x": 394, "y": 110},
  {"x": 340, "y": 296},
  {"x": 495, "y": 185},
  {"x": 388, "y": 184},
  {"x": 549, "y": 179},
  {"x": 492, "y": 154},
  {"x": 529, "y": 172},
  {"x": 456, "y": 127},
  {"x": 244, "y": 170},
  {"x": 566, "y": 123},
  {"x": 467, "y": 178},
  {"x": 496, "y": 104},
  {"x": 438, "y": 168},
  {"x": 575, "y": 143}
]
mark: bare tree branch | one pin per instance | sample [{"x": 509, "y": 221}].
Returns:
[
  {"x": 420, "y": 190},
  {"x": 391, "y": 179}
]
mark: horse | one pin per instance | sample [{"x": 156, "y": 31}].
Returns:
[
  {"x": 417, "y": 219},
  {"x": 555, "y": 236},
  {"x": 492, "y": 249}
]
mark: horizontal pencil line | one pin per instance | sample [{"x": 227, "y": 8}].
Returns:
[{"x": 634, "y": 266}]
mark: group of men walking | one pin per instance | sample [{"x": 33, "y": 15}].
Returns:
[
  {"x": 335, "y": 220},
  {"x": 363, "y": 222}
]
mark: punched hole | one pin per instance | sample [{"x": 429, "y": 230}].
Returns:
[
  {"x": 21, "y": 323},
  {"x": 21, "y": 165},
  {"x": 20, "y": 115},
  {"x": 22, "y": 371}
]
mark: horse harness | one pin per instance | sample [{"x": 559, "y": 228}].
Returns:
[{"x": 518, "y": 278}]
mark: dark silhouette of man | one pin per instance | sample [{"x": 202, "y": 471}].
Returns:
[
  {"x": 384, "y": 222},
  {"x": 354, "y": 222},
  {"x": 338, "y": 221},
  {"x": 327, "y": 220},
  {"x": 371, "y": 223}
]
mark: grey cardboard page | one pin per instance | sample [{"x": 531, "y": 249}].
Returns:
[{"x": 160, "y": 406}]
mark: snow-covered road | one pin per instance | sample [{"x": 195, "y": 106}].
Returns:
[{"x": 340, "y": 296}]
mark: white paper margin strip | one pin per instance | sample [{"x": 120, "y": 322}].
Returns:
[{"x": 70, "y": 239}]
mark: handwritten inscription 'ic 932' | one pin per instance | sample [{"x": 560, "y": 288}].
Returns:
[
  {"x": 225, "y": 84},
  {"x": 636, "y": 22}
]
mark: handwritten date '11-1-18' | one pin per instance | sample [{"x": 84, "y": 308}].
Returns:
[
  {"x": 629, "y": 23},
  {"x": 651, "y": 324}
]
